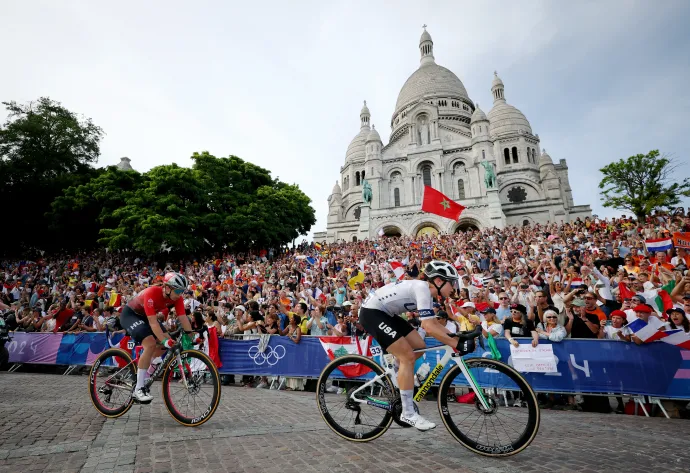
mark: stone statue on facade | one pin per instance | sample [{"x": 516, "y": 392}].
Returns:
[
  {"x": 423, "y": 132},
  {"x": 367, "y": 193},
  {"x": 489, "y": 174}
]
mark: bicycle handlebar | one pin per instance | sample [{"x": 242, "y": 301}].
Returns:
[{"x": 467, "y": 335}]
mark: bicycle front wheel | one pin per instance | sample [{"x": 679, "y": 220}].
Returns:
[
  {"x": 500, "y": 430},
  {"x": 351, "y": 408},
  {"x": 193, "y": 398}
]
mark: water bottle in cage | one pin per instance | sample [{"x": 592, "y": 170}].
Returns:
[{"x": 421, "y": 374}]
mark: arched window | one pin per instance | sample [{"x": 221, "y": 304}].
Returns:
[
  {"x": 396, "y": 197},
  {"x": 354, "y": 238},
  {"x": 461, "y": 189},
  {"x": 357, "y": 177},
  {"x": 483, "y": 154},
  {"x": 525, "y": 223},
  {"x": 515, "y": 155},
  {"x": 506, "y": 155},
  {"x": 362, "y": 175},
  {"x": 426, "y": 175}
]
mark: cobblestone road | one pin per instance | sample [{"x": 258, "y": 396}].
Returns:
[{"x": 47, "y": 423}]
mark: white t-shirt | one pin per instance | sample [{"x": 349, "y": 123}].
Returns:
[{"x": 610, "y": 333}]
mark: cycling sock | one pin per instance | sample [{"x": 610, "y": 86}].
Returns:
[
  {"x": 141, "y": 379},
  {"x": 407, "y": 404}
]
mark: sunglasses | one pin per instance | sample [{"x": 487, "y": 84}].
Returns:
[
  {"x": 504, "y": 298},
  {"x": 551, "y": 317}
]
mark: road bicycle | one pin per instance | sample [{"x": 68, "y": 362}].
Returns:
[
  {"x": 191, "y": 383},
  {"x": 469, "y": 400}
]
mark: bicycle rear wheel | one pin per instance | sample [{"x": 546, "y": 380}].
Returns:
[
  {"x": 111, "y": 381},
  {"x": 353, "y": 413},
  {"x": 500, "y": 431},
  {"x": 191, "y": 400}
]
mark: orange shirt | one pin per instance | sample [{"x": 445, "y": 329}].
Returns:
[{"x": 598, "y": 312}]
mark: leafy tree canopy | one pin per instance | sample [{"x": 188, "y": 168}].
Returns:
[
  {"x": 219, "y": 203},
  {"x": 642, "y": 183},
  {"x": 44, "y": 148}
]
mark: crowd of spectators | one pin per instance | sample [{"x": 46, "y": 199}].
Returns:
[{"x": 544, "y": 281}]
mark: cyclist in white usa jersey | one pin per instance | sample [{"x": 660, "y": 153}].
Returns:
[{"x": 379, "y": 317}]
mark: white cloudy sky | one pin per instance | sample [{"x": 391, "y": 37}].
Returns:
[{"x": 281, "y": 84}]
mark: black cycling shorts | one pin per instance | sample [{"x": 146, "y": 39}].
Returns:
[
  {"x": 384, "y": 328},
  {"x": 137, "y": 325}
]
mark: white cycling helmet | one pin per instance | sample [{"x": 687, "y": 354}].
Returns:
[
  {"x": 441, "y": 269},
  {"x": 176, "y": 281}
]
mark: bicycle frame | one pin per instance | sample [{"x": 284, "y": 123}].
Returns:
[
  {"x": 174, "y": 351},
  {"x": 449, "y": 354}
]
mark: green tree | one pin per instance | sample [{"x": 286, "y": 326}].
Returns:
[
  {"x": 218, "y": 203},
  {"x": 44, "y": 148},
  {"x": 81, "y": 211},
  {"x": 642, "y": 183}
]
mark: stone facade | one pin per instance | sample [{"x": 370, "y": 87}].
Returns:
[{"x": 439, "y": 137}]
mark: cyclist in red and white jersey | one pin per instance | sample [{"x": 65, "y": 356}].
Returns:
[
  {"x": 379, "y": 317},
  {"x": 140, "y": 318}
]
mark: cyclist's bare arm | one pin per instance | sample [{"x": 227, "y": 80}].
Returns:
[
  {"x": 156, "y": 328},
  {"x": 433, "y": 327},
  {"x": 184, "y": 320}
]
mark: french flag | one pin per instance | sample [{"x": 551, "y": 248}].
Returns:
[
  {"x": 648, "y": 331},
  {"x": 678, "y": 338},
  {"x": 661, "y": 244}
]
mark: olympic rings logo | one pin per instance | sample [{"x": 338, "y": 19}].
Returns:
[{"x": 270, "y": 355}]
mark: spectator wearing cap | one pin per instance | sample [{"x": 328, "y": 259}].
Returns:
[
  {"x": 490, "y": 324},
  {"x": 518, "y": 325},
  {"x": 551, "y": 329},
  {"x": 580, "y": 323},
  {"x": 678, "y": 319},
  {"x": 466, "y": 316},
  {"x": 591, "y": 306},
  {"x": 616, "y": 329},
  {"x": 644, "y": 312}
]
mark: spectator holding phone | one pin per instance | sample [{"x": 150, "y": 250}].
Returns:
[{"x": 615, "y": 329}]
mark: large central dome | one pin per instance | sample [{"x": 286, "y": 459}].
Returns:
[{"x": 430, "y": 80}]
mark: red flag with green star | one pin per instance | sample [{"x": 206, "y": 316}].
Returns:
[{"x": 436, "y": 203}]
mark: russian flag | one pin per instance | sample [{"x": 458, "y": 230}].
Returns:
[
  {"x": 660, "y": 244},
  {"x": 648, "y": 331}
]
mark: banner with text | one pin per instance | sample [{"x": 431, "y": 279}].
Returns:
[{"x": 581, "y": 366}]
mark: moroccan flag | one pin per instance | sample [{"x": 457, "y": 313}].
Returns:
[
  {"x": 625, "y": 292},
  {"x": 115, "y": 299},
  {"x": 436, "y": 203}
]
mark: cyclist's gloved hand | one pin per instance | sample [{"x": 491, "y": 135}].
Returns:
[
  {"x": 169, "y": 343},
  {"x": 466, "y": 346}
]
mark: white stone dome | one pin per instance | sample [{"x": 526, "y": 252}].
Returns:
[
  {"x": 373, "y": 135},
  {"x": 545, "y": 159},
  {"x": 430, "y": 80},
  {"x": 356, "y": 149},
  {"x": 336, "y": 188},
  {"x": 478, "y": 115},
  {"x": 504, "y": 119}
]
